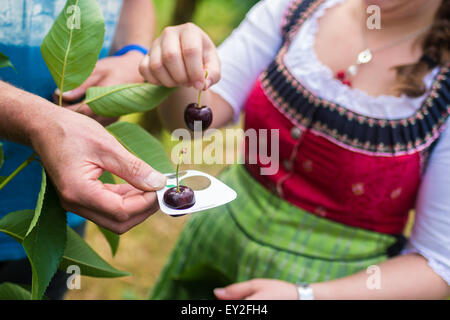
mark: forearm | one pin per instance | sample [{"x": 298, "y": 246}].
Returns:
[
  {"x": 136, "y": 24},
  {"x": 172, "y": 110},
  {"x": 403, "y": 277},
  {"x": 20, "y": 113}
]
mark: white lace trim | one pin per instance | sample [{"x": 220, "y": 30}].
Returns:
[{"x": 303, "y": 63}]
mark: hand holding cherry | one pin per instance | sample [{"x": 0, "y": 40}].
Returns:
[{"x": 179, "y": 58}]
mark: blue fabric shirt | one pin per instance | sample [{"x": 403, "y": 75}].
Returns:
[{"x": 23, "y": 26}]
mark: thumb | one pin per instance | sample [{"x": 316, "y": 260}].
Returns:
[
  {"x": 78, "y": 93},
  {"x": 236, "y": 291},
  {"x": 135, "y": 171}
]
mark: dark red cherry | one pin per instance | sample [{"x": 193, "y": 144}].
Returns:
[
  {"x": 193, "y": 113},
  {"x": 179, "y": 200}
]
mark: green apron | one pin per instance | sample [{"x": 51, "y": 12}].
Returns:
[{"x": 259, "y": 235}]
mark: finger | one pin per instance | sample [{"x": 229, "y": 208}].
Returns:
[
  {"x": 78, "y": 93},
  {"x": 258, "y": 296},
  {"x": 191, "y": 47},
  {"x": 125, "y": 190},
  {"x": 110, "y": 224},
  {"x": 173, "y": 59},
  {"x": 235, "y": 291},
  {"x": 80, "y": 108},
  {"x": 87, "y": 111},
  {"x": 121, "y": 189},
  {"x": 158, "y": 68},
  {"x": 211, "y": 62},
  {"x": 132, "y": 169},
  {"x": 55, "y": 99},
  {"x": 99, "y": 198},
  {"x": 144, "y": 69}
]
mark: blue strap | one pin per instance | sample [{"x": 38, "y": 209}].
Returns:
[{"x": 131, "y": 47}]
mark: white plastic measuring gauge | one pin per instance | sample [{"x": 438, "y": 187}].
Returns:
[{"x": 215, "y": 195}]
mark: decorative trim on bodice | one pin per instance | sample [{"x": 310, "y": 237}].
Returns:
[{"x": 347, "y": 128}]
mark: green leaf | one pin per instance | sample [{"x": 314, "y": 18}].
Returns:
[
  {"x": 112, "y": 238},
  {"x": 142, "y": 144},
  {"x": 15, "y": 224},
  {"x": 45, "y": 244},
  {"x": 121, "y": 100},
  {"x": 5, "y": 63},
  {"x": 107, "y": 177},
  {"x": 10, "y": 291},
  {"x": 77, "y": 251},
  {"x": 40, "y": 202},
  {"x": 72, "y": 46}
]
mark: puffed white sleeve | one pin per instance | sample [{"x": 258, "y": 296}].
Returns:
[
  {"x": 431, "y": 231},
  {"x": 249, "y": 50}
]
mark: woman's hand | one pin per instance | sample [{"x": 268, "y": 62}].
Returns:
[
  {"x": 258, "y": 289},
  {"x": 180, "y": 57},
  {"x": 108, "y": 71}
]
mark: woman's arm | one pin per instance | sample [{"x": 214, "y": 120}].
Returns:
[
  {"x": 404, "y": 277},
  {"x": 136, "y": 24}
]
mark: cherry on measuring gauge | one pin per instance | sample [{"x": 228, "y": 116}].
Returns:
[{"x": 179, "y": 197}]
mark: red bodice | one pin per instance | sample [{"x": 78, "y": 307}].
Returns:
[{"x": 356, "y": 189}]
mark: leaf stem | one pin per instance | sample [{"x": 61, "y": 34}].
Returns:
[
  {"x": 79, "y": 107},
  {"x": 18, "y": 170}
]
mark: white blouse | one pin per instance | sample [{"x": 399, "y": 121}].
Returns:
[{"x": 254, "y": 45}]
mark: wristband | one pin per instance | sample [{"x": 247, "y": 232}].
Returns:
[
  {"x": 305, "y": 292},
  {"x": 131, "y": 47}
]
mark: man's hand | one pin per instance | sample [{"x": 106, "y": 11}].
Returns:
[
  {"x": 76, "y": 150},
  {"x": 258, "y": 289},
  {"x": 109, "y": 71}
]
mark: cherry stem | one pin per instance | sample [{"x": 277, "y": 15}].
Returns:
[
  {"x": 180, "y": 158},
  {"x": 199, "y": 105},
  {"x": 178, "y": 184}
]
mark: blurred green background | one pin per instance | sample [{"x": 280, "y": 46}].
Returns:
[{"x": 144, "y": 250}]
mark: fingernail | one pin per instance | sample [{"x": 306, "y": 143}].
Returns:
[
  {"x": 57, "y": 91},
  {"x": 198, "y": 85},
  {"x": 219, "y": 291},
  {"x": 156, "y": 180},
  {"x": 68, "y": 93}
]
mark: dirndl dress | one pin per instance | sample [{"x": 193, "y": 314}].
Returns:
[{"x": 338, "y": 204}]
